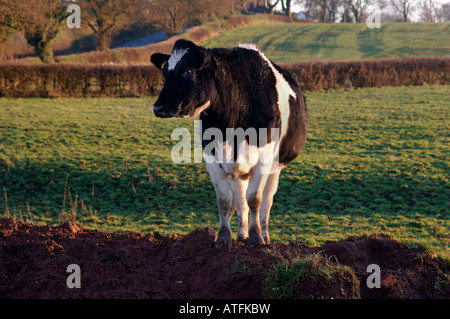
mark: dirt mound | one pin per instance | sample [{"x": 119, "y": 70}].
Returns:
[{"x": 34, "y": 263}]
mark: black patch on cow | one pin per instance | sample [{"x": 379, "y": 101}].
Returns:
[
  {"x": 158, "y": 59},
  {"x": 244, "y": 94},
  {"x": 241, "y": 87}
]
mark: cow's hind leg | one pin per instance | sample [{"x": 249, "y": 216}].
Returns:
[
  {"x": 266, "y": 204},
  {"x": 224, "y": 196}
]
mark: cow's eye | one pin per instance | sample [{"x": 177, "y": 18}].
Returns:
[{"x": 187, "y": 71}]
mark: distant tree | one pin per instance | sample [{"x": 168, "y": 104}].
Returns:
[
  {"x": 359, "y": 8},
  {"x": 205, "y": 10},
  {"x": 390, "y": 16},
  {"x": 323, "y": 10},
  {"x": 431, "y": 13},
  {"x": 286, "y": 6},
  {"x": 9, "y": 20},
  {"x": 40, "y": 21},
  {"x": 170, "y": 16},
  {"x": 106, "y": 16},
  {"x": 442, "y": 12},
  {"x": 403, "y": 7},
  {"x": 346, "y": 16},
  {"x": 270, "y": 5},
  {"x": 333, "y": 8}
]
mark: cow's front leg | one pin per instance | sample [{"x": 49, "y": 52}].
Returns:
[
  {"x": 224, "y": 196},
  {"x": 254, "y": 198},
  {"x": 239, "y": 185}
]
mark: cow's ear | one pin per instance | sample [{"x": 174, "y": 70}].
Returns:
[
  {"x": 201, "y": 59},
  {"x": 158, "y": 59}
]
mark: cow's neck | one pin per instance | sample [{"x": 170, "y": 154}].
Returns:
[{"x": 228, "y": 108}]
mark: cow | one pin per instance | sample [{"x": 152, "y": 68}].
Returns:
[{"x": 232, "y": 88}]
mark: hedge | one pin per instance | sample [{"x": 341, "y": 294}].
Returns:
[
  {"x": 73, "y": 80},
  {"x": 371, "y": 73}
]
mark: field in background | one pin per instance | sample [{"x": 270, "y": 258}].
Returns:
[
  {"x": 292, "y": 42},
  {"x": 330, "y": 41},
  {"x": 369, "y": 165}
]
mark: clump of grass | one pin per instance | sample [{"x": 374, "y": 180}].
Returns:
[
  {"x": 7, "y": 212},
  {"x": 295, "y": 277},
  {"x": 245, "y": 266}
]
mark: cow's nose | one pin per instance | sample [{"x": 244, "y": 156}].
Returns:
[
  {"x": 157, "y": 107},
  {"x": 159, "y": 110}
]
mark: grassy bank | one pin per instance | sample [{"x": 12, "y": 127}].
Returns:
[{"x": 330, "y": 41}]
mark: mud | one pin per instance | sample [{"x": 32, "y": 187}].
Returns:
[{"x": 34, "y": 261}]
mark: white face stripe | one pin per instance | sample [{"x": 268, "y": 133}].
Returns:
[
  {"x": 175, "y": 58},
  {"x": 283, "y": 88}
]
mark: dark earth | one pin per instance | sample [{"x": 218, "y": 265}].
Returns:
[{"x": 34, "y": 261}]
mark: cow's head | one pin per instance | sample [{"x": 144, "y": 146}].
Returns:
[{"x": 187, "y": 82}]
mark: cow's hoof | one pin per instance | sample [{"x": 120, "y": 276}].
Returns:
[
  {"x": 255, "y": 238},
  {"x": 242, "y": 239},
  {"x": 223, "y": 238},
  {"x": 222, "y": 243}
]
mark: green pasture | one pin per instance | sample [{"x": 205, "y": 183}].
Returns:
[
  {"x": 376, "y": 160},
  {"x": 294, "y": 42}
]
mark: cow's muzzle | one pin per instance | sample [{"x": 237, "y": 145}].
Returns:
[{"x": 161, "y": 111}]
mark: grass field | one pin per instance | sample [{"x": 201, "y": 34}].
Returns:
[
  {"x": 330, "y": 41},
  {"x": 376, "y": 160}
]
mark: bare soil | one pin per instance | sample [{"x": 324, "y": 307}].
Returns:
[{"x": 34, "y": 261}]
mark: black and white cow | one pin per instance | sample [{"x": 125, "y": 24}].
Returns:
[{"x": 237, "y": 88}]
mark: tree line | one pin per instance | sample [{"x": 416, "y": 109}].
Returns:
[
  {"x": 41, "y": 21},
  {"x": 392, "y": 10}
]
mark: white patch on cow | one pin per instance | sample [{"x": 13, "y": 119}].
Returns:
[
  {"x": 175, "y": 58},
  {"x": 224, "y": 193},
  {"x": 283, "y": 88},
  {"x": 199, "y": 110},
  {"x": 247, "y": 162},
  {"x": 248, "y": 46}
]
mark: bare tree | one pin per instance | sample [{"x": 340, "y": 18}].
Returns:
[
  {"x": 442, "y": 12},
  {"x": 204, "y": 10},
  {"x": 323, "y": 10},
  {"x": 270, "y": 5},
  {"x": 403, "y": 7},
  {"x": 170, "y": 16},
  {"x": 105, "y": 16},
  {"x": 286, "y": 6},
  {"x": 359, "y": 8},
  {"x": 429, "y": 11},
  {"x": 346, "y": 15}
]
